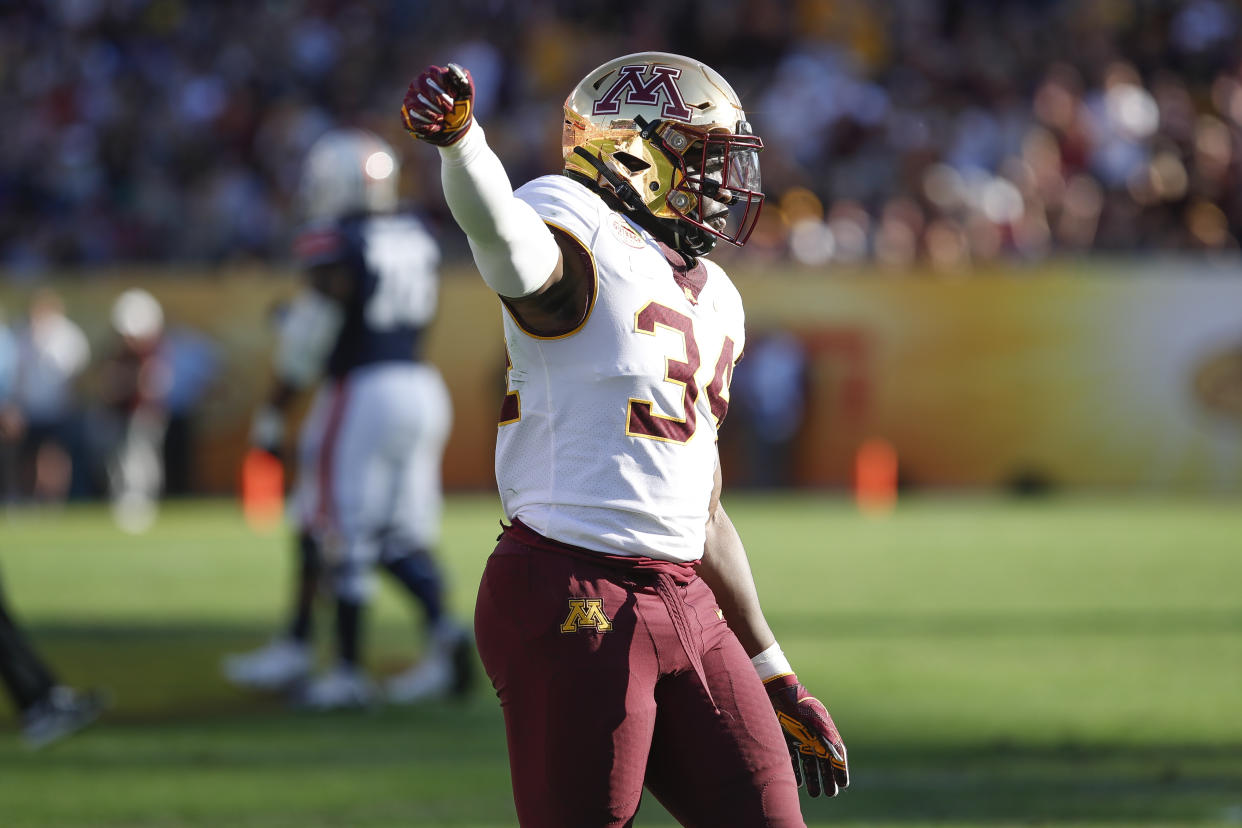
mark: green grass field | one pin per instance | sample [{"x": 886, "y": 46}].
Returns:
[{"x": 990, "y": 662}]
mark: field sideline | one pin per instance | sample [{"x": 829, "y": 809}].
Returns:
[{"x": 990, "y": 662}]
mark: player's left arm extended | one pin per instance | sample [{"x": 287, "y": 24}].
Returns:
[{"x": 815, "y": 745}]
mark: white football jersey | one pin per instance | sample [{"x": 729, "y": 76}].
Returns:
[{"x": 607, "y": 440}]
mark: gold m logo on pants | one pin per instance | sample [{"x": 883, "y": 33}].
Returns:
[{"x": 586, "y": 613}]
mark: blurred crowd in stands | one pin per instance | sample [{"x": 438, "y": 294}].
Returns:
[{"x": 942, "y": 133}]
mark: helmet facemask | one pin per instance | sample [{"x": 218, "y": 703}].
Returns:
[{"x": 716, "y": 187}]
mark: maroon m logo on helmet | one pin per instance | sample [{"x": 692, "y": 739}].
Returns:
[{"x": 630, "y": 82}]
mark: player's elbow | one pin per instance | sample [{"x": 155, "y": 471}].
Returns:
[{"x": 518, "y": 267}]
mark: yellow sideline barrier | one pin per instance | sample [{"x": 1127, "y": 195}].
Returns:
[
  {"x": 1122, "y": 377},
  {"x": 1090, "y": 377}
]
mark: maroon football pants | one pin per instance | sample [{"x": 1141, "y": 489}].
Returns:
[{"x": 610, "y": 679}]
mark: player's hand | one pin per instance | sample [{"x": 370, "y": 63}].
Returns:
[
  {"x": 815, "y": 746},
  {"x": 439, "y": 105},
  {"x": 267, "y": 430}
]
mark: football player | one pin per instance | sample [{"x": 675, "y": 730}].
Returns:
[
  {"x": 369, "y": 452},
  {"x": 617, "y": 617}
]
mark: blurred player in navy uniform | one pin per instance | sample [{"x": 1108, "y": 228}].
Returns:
[
  {"x": 369, "y": 489},
  {"x": 617, "y": 617}
]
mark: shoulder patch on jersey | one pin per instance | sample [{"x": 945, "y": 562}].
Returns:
[{"x": 622, "y": 230}]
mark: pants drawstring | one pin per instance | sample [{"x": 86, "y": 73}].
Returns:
[{"x": 666, "y": 588}]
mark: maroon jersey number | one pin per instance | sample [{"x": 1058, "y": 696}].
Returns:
[
  {"x": 643, "y": 420},
  {"x": 718, "y": 390}
]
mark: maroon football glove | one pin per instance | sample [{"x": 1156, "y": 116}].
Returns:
[
  {"x": 439, "y": 104},
  {"x": 815, "y": 746}
]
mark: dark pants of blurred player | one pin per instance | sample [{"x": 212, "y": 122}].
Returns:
[
  {"x": 48, "y": 710},
  {"x": 614, "y": 673}
]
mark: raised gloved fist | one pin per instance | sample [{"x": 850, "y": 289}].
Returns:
[
  {"x": 815, "y": 745},
  {"x": 439, "y": 105}
]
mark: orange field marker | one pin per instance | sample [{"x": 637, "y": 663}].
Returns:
[
  {"x": 262, "y": 490},
  {"x": 875, "y": 476}
]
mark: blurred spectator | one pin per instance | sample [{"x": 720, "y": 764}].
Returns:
[
  {"x": 768, "y": 396},
  {"x": 193, "y": 361},
  {"x": 10, "y": 426},
  {"x": 42, "y": 411},
  {"x": 135, "y": 385},
  {"x": 8, "y": 358},
  {"x": 1021, "y": 129}
]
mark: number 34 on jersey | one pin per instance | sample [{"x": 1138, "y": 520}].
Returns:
[{"x": 643, "y": 417}]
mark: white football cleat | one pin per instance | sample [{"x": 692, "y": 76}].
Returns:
[
  {"x": 430, "y": 678},
  {"x": 342, "y": 689},
  {"x": 275, "y": 666},
  {"x": 447, "y": 670},
  {"x": 62, "y": 712}
]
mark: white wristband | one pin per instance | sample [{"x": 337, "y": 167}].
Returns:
[{"x": 772, "y": 663}]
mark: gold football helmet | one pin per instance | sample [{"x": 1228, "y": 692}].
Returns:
[{"x": 666, "y": 136}]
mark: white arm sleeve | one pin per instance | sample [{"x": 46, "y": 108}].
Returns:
[
  {"x": 306, "y": 336},
  {"x": 513, "y": 248}
]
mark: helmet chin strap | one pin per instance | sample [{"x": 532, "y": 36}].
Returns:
[
  {"x": 623, "y": 189},
  {"x": 690, "y": 242},
  {"x": 695, "y": 241}
]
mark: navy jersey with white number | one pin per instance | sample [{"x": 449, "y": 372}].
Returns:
[{"x": 391, "y": 261}]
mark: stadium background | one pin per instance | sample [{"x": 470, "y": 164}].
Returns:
[{"x": 1002, "y": 238}]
